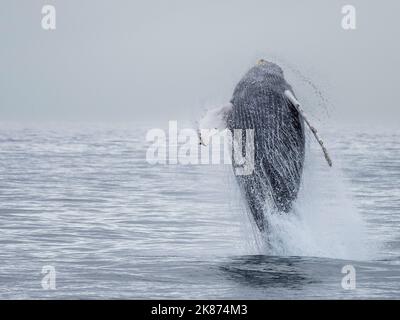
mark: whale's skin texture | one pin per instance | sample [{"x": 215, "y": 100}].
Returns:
[{"x": 259, "y": 103}]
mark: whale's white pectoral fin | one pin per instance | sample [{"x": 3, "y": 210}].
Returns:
[
  {"x": 214, "y": 120},
  {"x": 289, "y": 95}
]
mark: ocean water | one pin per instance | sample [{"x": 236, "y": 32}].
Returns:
[{"x": 84, "y": 200}]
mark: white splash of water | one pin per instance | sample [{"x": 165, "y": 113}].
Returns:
[{"x": 324, "y": 221}]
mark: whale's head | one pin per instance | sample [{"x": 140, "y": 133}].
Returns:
[
  {"x": 269, "y": 68},
  {"x": 262, "y": 78}
]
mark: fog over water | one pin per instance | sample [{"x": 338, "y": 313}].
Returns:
[{"x": 148, "y": 60}]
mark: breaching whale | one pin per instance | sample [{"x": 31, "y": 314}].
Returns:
[{"x": 264, "y": 102}]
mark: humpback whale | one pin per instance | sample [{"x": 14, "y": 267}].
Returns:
[
  {"x": 264, "y": 102},
  {"x": 259, "y": 103}
]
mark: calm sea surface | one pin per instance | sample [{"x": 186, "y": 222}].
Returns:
[{"x": 83, "y": 199}]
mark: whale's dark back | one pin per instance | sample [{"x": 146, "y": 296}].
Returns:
[{"x": 259, "y": 103}]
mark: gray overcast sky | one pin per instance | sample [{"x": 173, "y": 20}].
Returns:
[{"x": 141, "y": 60}]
